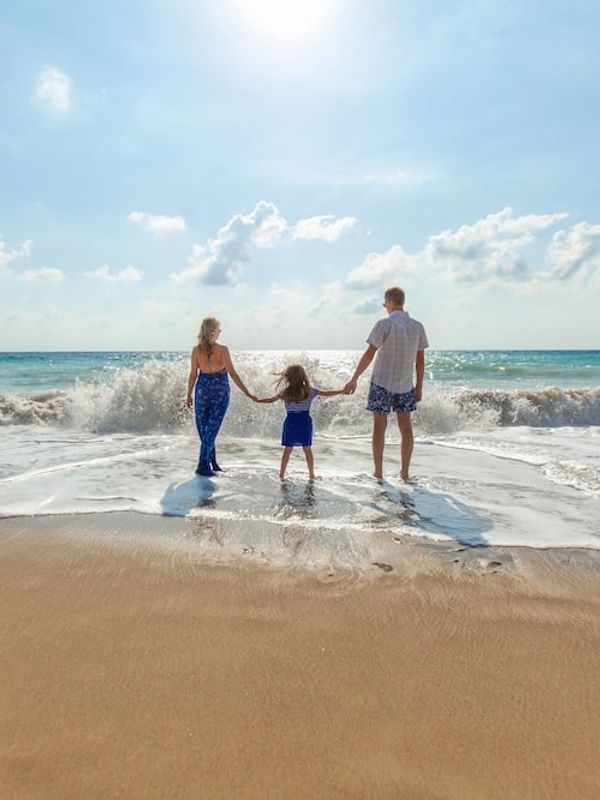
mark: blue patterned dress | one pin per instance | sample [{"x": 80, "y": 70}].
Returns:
[{"x": 210, "y": 405}]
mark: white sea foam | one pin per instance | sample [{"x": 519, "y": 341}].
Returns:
[
  {"x": 498, "y": 467},
  {"x": 151, "y": 398}
]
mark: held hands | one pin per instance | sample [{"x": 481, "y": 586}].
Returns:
[{"x": 350, "y": 387}]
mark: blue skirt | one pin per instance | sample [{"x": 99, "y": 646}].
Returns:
[{"x": 297, "y": 429}]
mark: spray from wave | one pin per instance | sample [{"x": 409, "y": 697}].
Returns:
[{"x": 151, "y": 398}]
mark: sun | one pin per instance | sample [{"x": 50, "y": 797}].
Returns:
[{"x": 283, "y": 22}]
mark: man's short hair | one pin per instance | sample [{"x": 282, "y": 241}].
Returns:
[{"x": 395, "y": 295}]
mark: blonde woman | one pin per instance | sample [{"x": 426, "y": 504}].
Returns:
[{"x": 211, "y": 364}]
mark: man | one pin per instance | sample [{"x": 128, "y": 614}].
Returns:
[{"x": 399, "y": 342}]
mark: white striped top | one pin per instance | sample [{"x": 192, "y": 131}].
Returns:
[{"x": 304, "y": 405}]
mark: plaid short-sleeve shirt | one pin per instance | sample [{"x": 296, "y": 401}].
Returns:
[{"x": 397, "y": 339}]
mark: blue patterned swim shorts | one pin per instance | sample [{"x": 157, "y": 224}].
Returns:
[{"x": 382, "y": 402}]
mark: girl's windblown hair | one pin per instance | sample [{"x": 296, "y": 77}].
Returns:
[
  {"x": 207, "y": 328},
  {"x": 296, "y": 386}
]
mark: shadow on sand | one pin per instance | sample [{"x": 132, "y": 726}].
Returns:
[
  {"x": 179, "y": 498},
  {"x": 418, "y": 510},
  {"x": 430, "y": 512}
]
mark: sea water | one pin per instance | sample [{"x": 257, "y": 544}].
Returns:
[{"x": 507, "y": 452}]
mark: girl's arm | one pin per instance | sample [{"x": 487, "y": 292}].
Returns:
[
  {"x": 192, "y": 378},
  {"x": 268, "y": 399},
  {"x": 234, "y": 376},
  {"x": 330, "y": 392}
]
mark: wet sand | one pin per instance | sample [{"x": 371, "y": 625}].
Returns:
[{"x": 131, "y": 668}]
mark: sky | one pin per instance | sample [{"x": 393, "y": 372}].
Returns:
[{"x": 280, "y": 163}]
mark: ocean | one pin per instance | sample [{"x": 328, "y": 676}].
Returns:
[{"x": 507, "y": 452}]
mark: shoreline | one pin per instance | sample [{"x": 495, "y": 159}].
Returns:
[{"x": 132, "y": 667}]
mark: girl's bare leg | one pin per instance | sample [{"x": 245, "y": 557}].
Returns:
[
  {"x": 285, "y": 457},
  {"x": 310, "y": 462}
]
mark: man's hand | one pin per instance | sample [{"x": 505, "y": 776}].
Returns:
[
  {"x": 350, "y": 387},
  {"x": 418, "y": 393}
]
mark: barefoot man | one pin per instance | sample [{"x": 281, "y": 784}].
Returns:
[{"x": 399, "y": 342}]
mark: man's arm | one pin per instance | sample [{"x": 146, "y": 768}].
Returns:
[
  {"x": 420, "y": 368},
  {"x": 364, "y": 362}
]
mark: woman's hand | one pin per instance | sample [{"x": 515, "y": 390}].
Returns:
[{"x": 189, "y": 401}]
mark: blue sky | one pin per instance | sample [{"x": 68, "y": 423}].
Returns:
[{"x": 279, "y": 164}]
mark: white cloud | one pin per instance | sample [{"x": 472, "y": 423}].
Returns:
[
  {"x": 325, "y": 227},
  {"x": 330, "y": 297},
  {"x": 574, "y": 252},
  {"x": 491, "y": 248},
  {"x": 220, "y": 260},
  {"x": 6, "y": 255},
  {"x": 53, "y": 89},
  {"x": 157, "y": 223},
  {"x": 380, "y": 268},
  {"x": 393, "y": 178},
  {"x": 127, "y": 275},
  {"x": 369, "y": 306},
  {"x": 43, "y": 275}
]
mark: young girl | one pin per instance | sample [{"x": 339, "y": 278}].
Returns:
[{"x": 297, "y": 394}]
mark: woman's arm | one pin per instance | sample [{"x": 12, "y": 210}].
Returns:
[
  {"x": 192, "y": 378},
  {"x": 234, "y": 376}
]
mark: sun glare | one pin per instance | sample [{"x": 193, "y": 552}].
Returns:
[{"x": 283, "y": 21}]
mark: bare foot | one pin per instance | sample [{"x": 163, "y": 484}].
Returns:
[
  {"x": 282, "y": 476},
  {"x": 404, "y": 477}
]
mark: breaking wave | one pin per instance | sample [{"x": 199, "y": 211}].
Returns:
[{"x": 152, "y": 398}]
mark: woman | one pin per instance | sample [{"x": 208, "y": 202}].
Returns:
[{"x": 211, "y": 363}]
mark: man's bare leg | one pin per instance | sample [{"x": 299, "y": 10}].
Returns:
[
  {"x": 310, "y": 462},
  {"x": 406, "y": 442},
  {"x": 285, "y": 457},
  {"x": 379, "y": 426}
]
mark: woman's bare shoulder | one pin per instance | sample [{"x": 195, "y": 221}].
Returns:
[{"x": 221, "y": 349}]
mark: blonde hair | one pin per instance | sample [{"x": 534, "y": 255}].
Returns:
[
  {"x": 296, "y": 384},
  {"x": 207, "y": 328}
]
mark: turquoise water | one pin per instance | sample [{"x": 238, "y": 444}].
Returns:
[
  {"x": 31, "y": 373},
  {"x": 507, "y": 451}
]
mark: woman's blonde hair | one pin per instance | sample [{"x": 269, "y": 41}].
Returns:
[
  {"x": 207, "y": 328},
  {"x": 296, "y": 384}
]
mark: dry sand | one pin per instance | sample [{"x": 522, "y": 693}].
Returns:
[{"x": 129, "y": 668}]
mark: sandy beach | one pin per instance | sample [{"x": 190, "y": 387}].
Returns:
[{"x": 130, "y": 667}]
